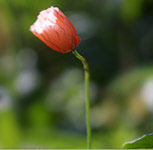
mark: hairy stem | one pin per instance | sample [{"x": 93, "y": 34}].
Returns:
[{"x": 87, "y": 96}]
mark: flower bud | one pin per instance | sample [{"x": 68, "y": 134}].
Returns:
[{"x": 55, "y": 30}]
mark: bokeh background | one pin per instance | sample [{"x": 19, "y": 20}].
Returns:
[{"x": 42, "y": 91}]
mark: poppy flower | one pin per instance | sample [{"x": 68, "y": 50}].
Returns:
[{"x": 55, "y": 30}]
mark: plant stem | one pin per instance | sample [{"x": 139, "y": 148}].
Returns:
[{"x": 87, "y": 96}]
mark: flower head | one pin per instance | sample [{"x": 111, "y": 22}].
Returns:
[{"x": 55, "y": 30}]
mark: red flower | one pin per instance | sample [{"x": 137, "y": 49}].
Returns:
[{"x": 55, "y": 30}]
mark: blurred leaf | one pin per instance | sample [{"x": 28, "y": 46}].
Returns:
[
  {"x": 146, "y": 141},
  {"x": 9, "y": 130},
  {"x": 38, "y": 115},
  {"x": 121, "y": 133},
  {"x": 131, "y": 81},
  {"x": 131, "y": 10}
]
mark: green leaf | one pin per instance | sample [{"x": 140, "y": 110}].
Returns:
[
  {"x": 146, "y": 141},
  {"x": 132, "y": 10}
]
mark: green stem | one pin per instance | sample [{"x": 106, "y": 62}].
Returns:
[{"x": 87, "y": 96}]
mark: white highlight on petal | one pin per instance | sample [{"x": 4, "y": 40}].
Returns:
[
  {"x": 47, "y": 23},
  {"x": 45, "y": 18}
]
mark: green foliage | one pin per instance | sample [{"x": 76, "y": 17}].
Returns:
[
  {"x": 132, "y": 10},
  {"x": 44, "y": 91},
  {"x": 131, "y": 81},
  {"x": 146, "y": 141},
  {"x": 10, "y": 134}
]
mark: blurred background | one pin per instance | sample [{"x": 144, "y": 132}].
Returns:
[{"x": 42, "y": 91}]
